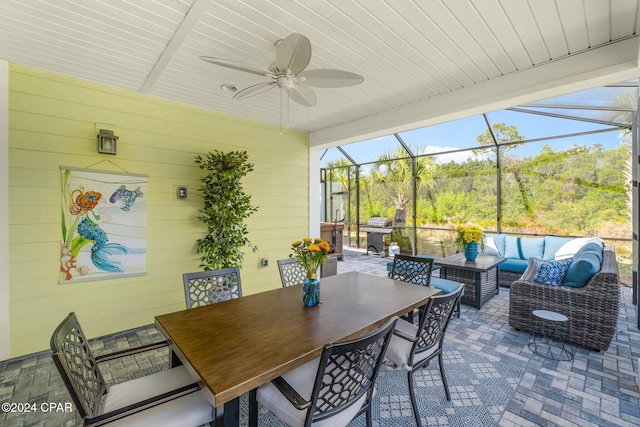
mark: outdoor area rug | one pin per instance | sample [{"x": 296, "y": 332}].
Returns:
[{"x": 480, "y": 390}]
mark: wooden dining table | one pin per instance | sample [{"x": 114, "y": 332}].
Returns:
[{"x": 234, "y": 346}]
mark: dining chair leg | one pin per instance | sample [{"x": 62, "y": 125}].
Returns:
[
  {"x": 412, "y": 394},
  {"x": 253, "y": 408},
  {"x": 444, "y": 378}
]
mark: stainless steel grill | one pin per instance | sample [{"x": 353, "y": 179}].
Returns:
[{"x": 376, "y": 228}]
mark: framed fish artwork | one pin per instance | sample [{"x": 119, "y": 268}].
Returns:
[{"x": 104, "y": 225}]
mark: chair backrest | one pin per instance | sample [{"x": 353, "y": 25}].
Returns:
[
  {"x": 208, "y": 287},
  {"x": 347, "y": 371},
  {"x": 291, "y": 273},
  {"x": 411, "y": 269},
  {"x": 434, "y": 319},
  {"x": 72, "y": 356}
]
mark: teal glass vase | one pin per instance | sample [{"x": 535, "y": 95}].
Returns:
[
  {"x": 471, "y": 251},
  {"x": 311, "y": 291}
]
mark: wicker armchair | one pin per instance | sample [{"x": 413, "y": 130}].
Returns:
[{"x": 592, "y": 310}]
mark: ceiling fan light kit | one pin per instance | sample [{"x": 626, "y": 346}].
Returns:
[{"x": 288, "y": 72}]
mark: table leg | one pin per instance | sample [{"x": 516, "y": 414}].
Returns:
[
  {"x": 231, "y": 416},
  {"x": 478, "y": 287},
  {"x": 174, "y": 361},
  {"x": 253, "y": 408}
]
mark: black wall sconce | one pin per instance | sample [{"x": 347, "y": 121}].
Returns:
[{"x": 107, "y": 142}]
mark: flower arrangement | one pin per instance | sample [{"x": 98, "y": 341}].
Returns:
[
  {"x": 467, "y": 234},
  {"x": 311, "y": 253}
]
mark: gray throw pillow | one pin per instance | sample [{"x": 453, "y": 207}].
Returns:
[
  {"x": 490, "y": 247},
  {"x": 532, "y": 268}
]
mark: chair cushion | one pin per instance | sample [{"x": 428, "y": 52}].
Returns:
[
  {"x": 399, "y": 348},
  {"x": 302, "y": 379},
  {"x": 445, "y": 285},
  {"x": 514, "y": 265},
  {"x": 569, "y": 249},
  {"x": 523, "y": 248},
  {"x": 552, "y": 244},
  {"x": 586, "y": 263},
  {"x": 191, "y": 410},
  {"x": 552, "y": 272}
]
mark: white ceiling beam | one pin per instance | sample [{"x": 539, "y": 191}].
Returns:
[
  {"x": 190, "y": 20},
  {"x": 593, "y": 68}
]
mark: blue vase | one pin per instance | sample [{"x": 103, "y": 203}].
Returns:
[
  {"x": 471, "y": 251},
  {"x": 311, "y": 291}
]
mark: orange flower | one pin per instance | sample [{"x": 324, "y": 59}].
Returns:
[{"x": 311, "y": 253}]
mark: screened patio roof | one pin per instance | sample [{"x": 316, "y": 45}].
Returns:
[{"x": 605, "y": 110}]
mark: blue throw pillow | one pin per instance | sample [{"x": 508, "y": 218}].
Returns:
[
  {"x": 552, "y": 272},
  {"x": 586, "y": 263}
]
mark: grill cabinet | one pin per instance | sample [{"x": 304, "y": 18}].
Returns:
[{"x": 376, "y": 229}]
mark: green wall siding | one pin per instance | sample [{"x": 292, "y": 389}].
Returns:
[{"x": 52, "y": 123}]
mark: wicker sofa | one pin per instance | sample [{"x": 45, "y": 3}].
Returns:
[{"x": 592, "y": 310}]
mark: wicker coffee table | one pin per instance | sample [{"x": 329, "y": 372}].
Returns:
[{"x": 480, "y": 277}]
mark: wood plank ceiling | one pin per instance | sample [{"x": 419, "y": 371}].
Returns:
[{"x": 409, "y": 52}]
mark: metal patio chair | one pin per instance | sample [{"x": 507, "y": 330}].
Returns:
[
  {"x": 413, "y": 346},
  {"x": 291, "y": 273},
  {"x": 331, "y": 390},
  {"x": 208, "y": 287},
  {"x": 167, "y": 398}
]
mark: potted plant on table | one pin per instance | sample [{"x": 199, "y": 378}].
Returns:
[
  {"x": 311, "y": 254},
  {"x": 469, "y": 240}
]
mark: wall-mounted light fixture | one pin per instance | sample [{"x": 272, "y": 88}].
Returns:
[{"x": 107, "y": 142}]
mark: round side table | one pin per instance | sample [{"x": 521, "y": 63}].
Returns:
[{"x": 548, "y": 342}]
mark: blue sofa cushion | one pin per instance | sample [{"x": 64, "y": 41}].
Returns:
[
  {"x": 514, "y": 265},
  {"x": 586, "y": 263},
  {"x": 499, "y": 239},
  {"x": 523, "y": 248},
  {"x": 552, "y": 272},
  {"x": 445, "y": 285},
  {"x": 551, "y": 246}
]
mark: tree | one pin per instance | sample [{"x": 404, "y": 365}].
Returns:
[
  {"x": 395, "y": 170},
  {"x": 226, "y": 205},
  {"x": 503, "y": 133}
]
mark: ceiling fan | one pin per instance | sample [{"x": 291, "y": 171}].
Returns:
[{"x": 287, "y": 72}]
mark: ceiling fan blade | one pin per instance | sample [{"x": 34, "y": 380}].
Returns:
[
  {"x": 238, "y": 66},
  {"x": 329, "y": 78},
  {"x": 254, "y": 90},
  {"x": 293, "y": 53},
  {"x": 303, "y": 95}
]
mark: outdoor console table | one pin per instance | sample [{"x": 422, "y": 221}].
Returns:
[
  {"x": 480, "y": 277},
  {"x": 232, "y": 347}
]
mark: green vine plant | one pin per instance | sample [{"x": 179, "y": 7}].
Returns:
[{"x": 226, "y": 206}]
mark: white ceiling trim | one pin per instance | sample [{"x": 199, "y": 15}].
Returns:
[
  {"x": 593, "y": 68},
  {"x": 183, "y": 31}
]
